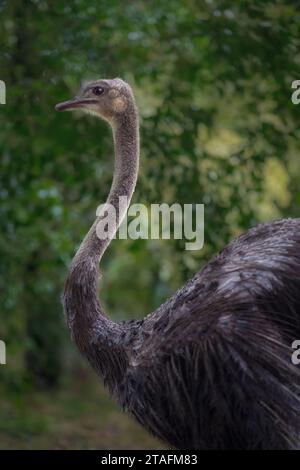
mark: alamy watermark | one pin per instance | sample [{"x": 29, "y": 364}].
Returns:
[
  {"x": 2, "y": 352},
  {"x": 158, "y": 221},
  {"x": 296, "y": 353},
  {"x": 296, "y": 94},
  {"x": 2, "y": 92}
]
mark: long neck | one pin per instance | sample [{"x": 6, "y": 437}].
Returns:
[
  {"x": 85, "y": 316},
  {"x": 126, "y": 144}
]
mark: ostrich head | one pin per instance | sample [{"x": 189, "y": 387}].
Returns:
[{"x": 107, "y": 99}]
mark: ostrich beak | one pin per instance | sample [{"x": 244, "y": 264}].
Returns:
[{"x": 74, "y": 103}]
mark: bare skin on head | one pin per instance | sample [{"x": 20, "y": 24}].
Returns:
[
  {"x": 211, "y": 367},
  {"x": 105, "y": 98}
]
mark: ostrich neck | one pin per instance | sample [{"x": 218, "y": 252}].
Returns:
[
  {"x": 126, "y": 143},
  {"x": 126, "y": 146},
  {"x": 95, "y": 334}
]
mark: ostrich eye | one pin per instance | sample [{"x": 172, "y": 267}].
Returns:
[{"x": 98, "y": 90}]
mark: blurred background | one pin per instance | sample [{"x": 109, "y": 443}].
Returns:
[{"x": 213, "y": 84}]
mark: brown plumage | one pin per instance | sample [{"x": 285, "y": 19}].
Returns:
[{"x": 210, "y": 368}]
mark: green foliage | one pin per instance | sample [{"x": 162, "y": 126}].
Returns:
[{"x": 213, "y": 84}]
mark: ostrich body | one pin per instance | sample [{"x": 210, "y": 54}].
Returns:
[{"x": 210, "y": 368}]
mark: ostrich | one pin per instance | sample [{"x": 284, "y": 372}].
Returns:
[{"x": 211, "y": 367}]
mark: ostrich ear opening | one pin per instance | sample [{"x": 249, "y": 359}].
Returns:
[{"x": 119, "y": 104}]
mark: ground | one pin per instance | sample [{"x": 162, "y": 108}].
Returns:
[{"x": 79, "y": 415}]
